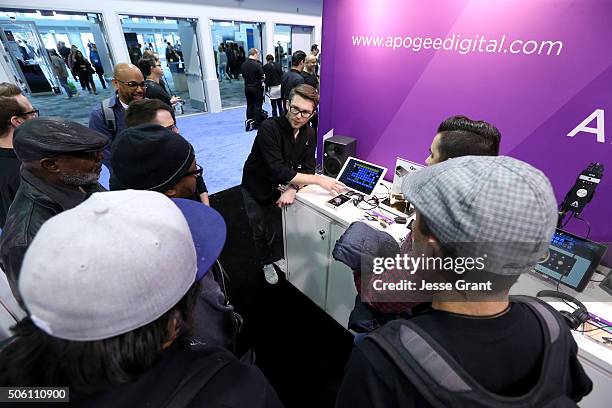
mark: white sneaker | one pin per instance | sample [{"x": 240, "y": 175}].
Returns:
[
  {"x": 270, "y": 274},
  {"x": 281, "y": 264}
]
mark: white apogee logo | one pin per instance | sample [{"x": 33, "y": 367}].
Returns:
[{"x": 599, "y": 130}]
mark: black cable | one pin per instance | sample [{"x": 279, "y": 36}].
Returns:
[
  {"x": 388, "y": 193},
  {"x": 568, "y": 219},
  {"x": 373, "y": 207},
  {"x": 574, "y": 307},
  {"x": 587, "y": 223},
  {"x": 591, "y": 330}
]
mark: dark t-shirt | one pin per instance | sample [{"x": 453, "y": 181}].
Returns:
[
  {"x": 9, "y": 181},
  {"x": 503, "y": 354}
]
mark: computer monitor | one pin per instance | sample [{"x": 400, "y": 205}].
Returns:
[
  {"x": 571, "y": 260},
  {"x": 361, "y": 176}
]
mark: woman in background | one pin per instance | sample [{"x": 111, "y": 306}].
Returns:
[{"x": 85, "y": 72}]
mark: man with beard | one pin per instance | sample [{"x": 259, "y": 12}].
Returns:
[
  {"x": 108, "y": 117},
  {"x": 58, "y": 172}
]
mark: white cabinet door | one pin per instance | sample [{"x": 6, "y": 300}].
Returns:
[
  {"x": 307, "y": 251},
  {"x": 341, "y": 290}
]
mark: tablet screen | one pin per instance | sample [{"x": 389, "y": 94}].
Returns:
[
  {"x": 361, "y": 176},
  {"x": 571, "y": 259}
]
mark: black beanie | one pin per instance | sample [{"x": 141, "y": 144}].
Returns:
[{"x": 150, "y": 157}]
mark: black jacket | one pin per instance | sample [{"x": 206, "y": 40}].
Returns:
[
  {"x": 35, "y": 202},
  {"x": 83, "y": 67},
  {"x": 289, "y": 81},
  {"x": 9, "y": 181},
  {"x": 184, "y": 376},
  {"x": 253, "y": 73},
  {"x": 276, "y": 157},
  {"x": 274, "y": 73},
  {"x": 311, "y": 79},
  {"x": 156, "y": 91}
]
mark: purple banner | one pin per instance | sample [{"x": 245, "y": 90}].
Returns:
[{"x": 393, "y": 70}]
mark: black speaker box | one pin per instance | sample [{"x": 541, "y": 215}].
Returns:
[{"x": 336, "y": 150}]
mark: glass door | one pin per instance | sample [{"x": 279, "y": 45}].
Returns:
[
  {"x": 187, "y": 31},
  {"x": 29, "y": 55},
  {"x": 175, "y": 41},
  {"x": 282, "y": 46}
]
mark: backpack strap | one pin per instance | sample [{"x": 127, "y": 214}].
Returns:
[
  {"x": 109, "y": 116},
  {"x": 422, "y": 360},
  {"x": 444, "y": 383},
  {"x": 193, "y": 383}
]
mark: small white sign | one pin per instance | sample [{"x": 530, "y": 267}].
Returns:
[{"x": 403, "y": 168}]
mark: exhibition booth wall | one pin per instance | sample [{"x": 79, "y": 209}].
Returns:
[{"x": 541, "y": 72}]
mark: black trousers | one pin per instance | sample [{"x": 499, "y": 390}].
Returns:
[
  {"x": 277, "y": 106},
  {"x": 254, "y": 97},
  {"x": 86, "y": 80},
  {"x": 267, "y": 225}
]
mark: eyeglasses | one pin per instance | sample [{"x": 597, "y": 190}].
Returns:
[
  {"x": 296, "y": 111},
  {"x": 132, "y": 84},
  {"x": 196, "y": 173},
  {"x": 34, "y": 112}
]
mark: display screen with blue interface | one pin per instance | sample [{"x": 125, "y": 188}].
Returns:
[
  {"x": 571, "y": 259},
  {"x": 361, "y": 176}
]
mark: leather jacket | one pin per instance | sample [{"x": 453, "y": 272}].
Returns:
[{"x": 36, "y": 201}]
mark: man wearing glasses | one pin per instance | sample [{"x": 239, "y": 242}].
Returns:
[
  {"x": 58, "y": 172},
  {"x": 15, "y": 109},
  {"x": 282, "y": 159},
  {"x": 108, "y": 117}
]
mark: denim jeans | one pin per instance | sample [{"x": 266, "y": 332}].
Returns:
[
  {"x": 277, "y": 107},
  {"x": 267, "y": 225},
  {"x": 64, "y": 84},
  {"x": 222, "y": 72}
]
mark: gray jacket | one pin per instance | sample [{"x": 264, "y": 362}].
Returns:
[{"x": 59, "y": 67}]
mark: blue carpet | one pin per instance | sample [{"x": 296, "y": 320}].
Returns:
[{"x": 221, "y": 145}]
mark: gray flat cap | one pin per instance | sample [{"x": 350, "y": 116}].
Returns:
[
  {"x": 50, "y": 136},
  {"x": 498, "y": 206}
]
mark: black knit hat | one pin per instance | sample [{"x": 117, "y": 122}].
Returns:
[
  {"x": 50, "y": 136},
  {"x": 150, "y": 157}
]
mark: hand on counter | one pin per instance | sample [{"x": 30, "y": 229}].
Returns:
[{"x": 286, "y": 198}]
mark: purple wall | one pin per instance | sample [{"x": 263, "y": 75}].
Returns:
[{"x": 392, "y": 100}]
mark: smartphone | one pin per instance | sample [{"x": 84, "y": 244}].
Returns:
[{"x": 337, "y": 201}]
